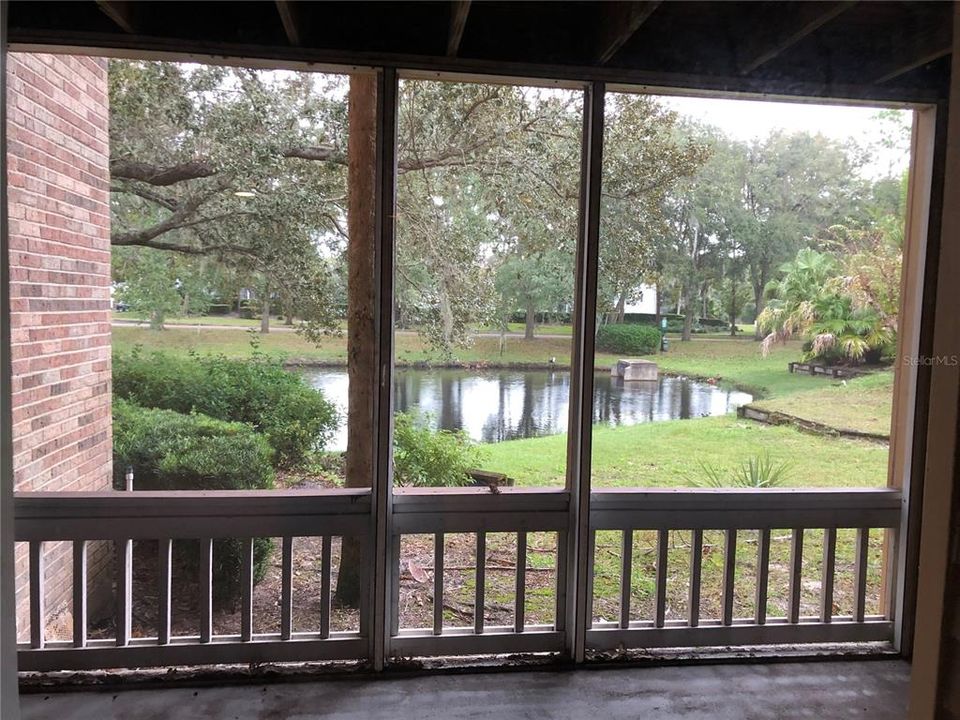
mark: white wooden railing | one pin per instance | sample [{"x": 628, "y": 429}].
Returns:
[
  {"x": 201, "y": 516},
  {"x": 661, "y": 511},
  {"x": 468, "y": 510},
  {"x": 122, "y": 518}
]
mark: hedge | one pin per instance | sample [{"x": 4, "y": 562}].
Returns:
[
  {"x": 294, "y": 417},
  {"x": 628, "y": 339},
  {"x": 172, "y": 451}
]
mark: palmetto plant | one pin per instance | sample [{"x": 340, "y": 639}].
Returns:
[
  {"x": 756, "y": 472},
  {"x": 810, "y": 302}
]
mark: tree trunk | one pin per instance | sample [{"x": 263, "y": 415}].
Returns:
[
  {"x": 733, "y": 307},
  {"x": 687, "y": 297},
  {"x": 156, "y": 320},
  {"x": 446, "y": 315},
  {"x": 530, "y": 326},
  {"x": 656, "y": 303},
  {"x": 265, "y": 310},
  {"x": 622, "y": 308},
  {"x": 758, "y": 307},
  {"x": 361, "y": 308}
]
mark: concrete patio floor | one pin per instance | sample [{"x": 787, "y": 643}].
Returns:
[{"x": 876, "y": 690}]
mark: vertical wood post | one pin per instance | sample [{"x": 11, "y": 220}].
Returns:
[
  {"x": 579, "y": 435},
  {"x": 908, "y": 421},
  {"x": 940, "y": 470},
  {"x": 360, "y": 460},
  {"x": 384, "y": 561}
]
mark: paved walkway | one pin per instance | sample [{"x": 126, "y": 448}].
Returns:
[{"x": 875, "y": 690}]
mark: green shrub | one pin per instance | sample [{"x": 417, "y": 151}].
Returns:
[
  {"x": 294, "y": 417},
  {"x": 628, "y": 339},
  {"x": 424, "y": 457},
  {"x": 172, "y": 451},
  {"x": 756, "y": 472}
]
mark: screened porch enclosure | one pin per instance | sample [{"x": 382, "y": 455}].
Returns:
[{"x": 790, "y": 567}]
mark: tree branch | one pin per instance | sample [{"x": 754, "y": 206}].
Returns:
[
  {"x": 160, "y": 176},
  {"x": 169, "y": 203}
]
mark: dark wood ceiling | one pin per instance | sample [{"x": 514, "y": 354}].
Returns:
[{"x": 869, "y": 50}]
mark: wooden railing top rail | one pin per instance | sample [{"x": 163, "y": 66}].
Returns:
[
  {"x": 744, "y": 509},
  {"x": 695, "y": 498},
  {"x": 189, "y": 514},
  {"x": 480, "y": 510}
]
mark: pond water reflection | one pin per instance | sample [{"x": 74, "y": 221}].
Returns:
[{"x": 497, "y": 405}]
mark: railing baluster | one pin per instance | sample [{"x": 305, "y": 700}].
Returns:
[
  {"x": 479, "y": 590},
  {"x": 38, "y": 594},
  {"x": 206, "y": 590},
  {"x": 124, "y": 602},
  {"x": 79, "y": 593},
  {"x": 626, "y": 577},
  {"x": 763, "y": 576},
  {"x": 591, "y": 566},
  {"x": 827, "y": 574},
  {"x": 663, "y": 539},
  {"x": 438, "y": 584},
  {"x": 394, "y": 585},
  {"x": 796, "y": 574},
  {"x": 560, "y": 621},
  {"x": 286, "y": 589},
  {"x": 696, "y": 568},
  {"x": 520, "y": 599},
  {"x": 729, "y": 574},
  {"x": 246, "y": 591},
  {"x": 164, "y": 584},
  {"x": 326, "y": 573},
  {"x": 860, "y": 574}
]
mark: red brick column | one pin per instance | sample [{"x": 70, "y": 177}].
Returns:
[{"x": 59, "y": 208}]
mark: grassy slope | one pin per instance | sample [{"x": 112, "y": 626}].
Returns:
[
  {"x": 669, "y": 454},
  {"x": 862, "y": 404}
]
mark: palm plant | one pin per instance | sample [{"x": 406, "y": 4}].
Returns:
[
  {"x": 757, "y": 472},
  {"x": 810, "y": 301}
]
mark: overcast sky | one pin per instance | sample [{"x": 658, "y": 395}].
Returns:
[{"x": 749, "y": 119}]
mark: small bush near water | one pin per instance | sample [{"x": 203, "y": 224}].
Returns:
[
  {"x": 423, "y": 457},
  {"x": 173, "y": 451},
  {"x": 628, "y": 339},
  {"x": 295, "y": 418}
]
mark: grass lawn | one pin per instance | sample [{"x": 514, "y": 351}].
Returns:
[
  {"x": 225, "y": 320},
  {"x": 862, "y": 404},
  {"x": 409, "y": 347},
  {"x": 668, "y": 454}
]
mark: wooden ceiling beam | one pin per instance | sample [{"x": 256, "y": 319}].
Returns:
[
  {"x": 121, "y": 12},
  {"x": 619, "y": 23},
  {"x": 459, "y": 10},
  {"x": 290, "y": 17},
  {"x": 932, "y": 43},
  {"x": 805, "y": 19}
]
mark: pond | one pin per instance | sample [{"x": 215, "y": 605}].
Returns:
[{"x": 497, "y": 405}]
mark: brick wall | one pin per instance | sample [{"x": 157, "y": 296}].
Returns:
[{"x": 58, "y": 184}]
